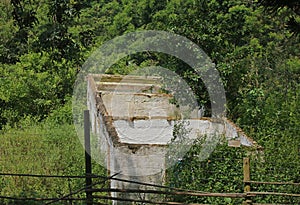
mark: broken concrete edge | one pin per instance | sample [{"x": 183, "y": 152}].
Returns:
[
  {"x": 145, "y": 89},
  {"x": 241, "y": 133},
  {"x": 108, "y": 120},
  {"x": 169, "y": 118},
  {"x": 137, "y": 94},
  {"x": 128, "y": 78}
]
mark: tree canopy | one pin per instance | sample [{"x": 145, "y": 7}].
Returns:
[{"x": 44, "y": 44}]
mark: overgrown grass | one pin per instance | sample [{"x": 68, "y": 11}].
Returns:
[{"x": 46, "y": 148}]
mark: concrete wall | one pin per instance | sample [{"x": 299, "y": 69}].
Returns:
[
  {"x": 138, "y": 163},
  {"x": 133, "y": 130}
]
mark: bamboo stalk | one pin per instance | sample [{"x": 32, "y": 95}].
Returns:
[
  {"x": 272, "y": 193},
  {"x": 229, "y": 195},
  {"x": 273, "y": 183},
  {"x": 143, "y": 201}
]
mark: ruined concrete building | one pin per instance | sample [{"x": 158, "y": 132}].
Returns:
[{"x": 134, "y": 120}]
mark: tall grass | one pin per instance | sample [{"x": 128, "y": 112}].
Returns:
[{"x": 47, "y": 148}]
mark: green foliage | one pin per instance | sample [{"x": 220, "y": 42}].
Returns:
[
  {"x": 40, "y": 56},
  {"x": 43, "y": 45},
  {"x": 62, "y": 115},
  {"x": 293, "y": 8},
  {"x": 29, "y": 88},
  {"x": 8, "y": 45},
  {"x": 221, "y": 172},
  {"x": 237, "y": 35}
]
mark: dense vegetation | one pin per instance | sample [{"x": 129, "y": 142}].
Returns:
[
  {"x": 254, "y": 44},
  {"x": 43, "y": 148}
]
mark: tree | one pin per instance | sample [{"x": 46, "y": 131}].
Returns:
[
  {"x": 20, "y": 18},
  {"x": 293, "y": 6}
]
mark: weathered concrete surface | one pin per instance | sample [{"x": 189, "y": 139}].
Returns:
[{"x": 137, "y": 105}]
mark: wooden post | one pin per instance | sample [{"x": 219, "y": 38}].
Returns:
[
  {"x": 246, "y": 170},
  {"x": 88, "y": 161}
]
